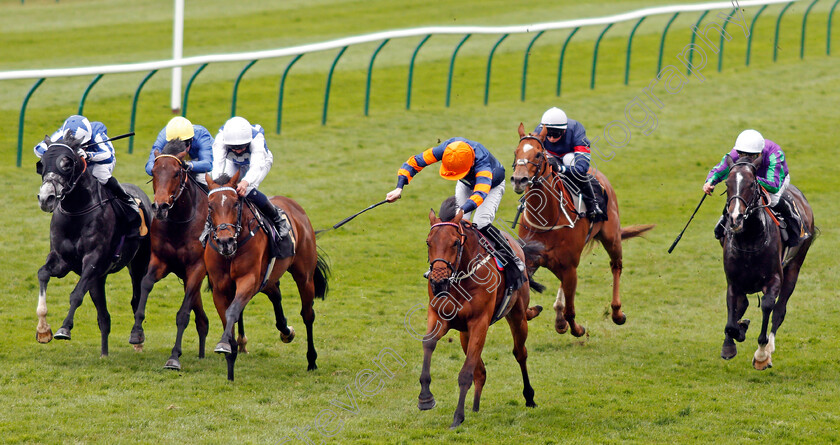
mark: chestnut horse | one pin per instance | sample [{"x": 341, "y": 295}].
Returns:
[
  {"x": 754, "y": 259},
  {"x": 467, "y": 293},
  {"x": 239, "y": 262},
  {"x": 551, "y": 218},
  {"x": 180, "y": 210}
]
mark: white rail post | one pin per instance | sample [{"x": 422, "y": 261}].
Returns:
[{"x": 177, "y": 53}]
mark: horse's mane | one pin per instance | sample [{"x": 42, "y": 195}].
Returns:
[
  {"x": 67, "y": 139},
  {"x": 174, "y": 147},
  {"x": 223, "y": 179},
  {"x": 448, "y": 209}
]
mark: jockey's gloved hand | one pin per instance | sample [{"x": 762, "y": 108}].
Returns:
[
  {"x": 82, "y": 153},
  {"x": 188, "y": 166}
]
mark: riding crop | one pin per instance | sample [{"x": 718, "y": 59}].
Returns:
[{"x": 686, "y": 224}]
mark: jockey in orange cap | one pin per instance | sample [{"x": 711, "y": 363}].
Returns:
[{"x": 480, "y": 187}]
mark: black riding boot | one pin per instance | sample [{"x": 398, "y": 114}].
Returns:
[
  {"x": 785, "y": 209},
  {"x": 273, "y": 213},
  {"x": 514, "y": 267},
  {"x": 132, "y": 215},
  {"x": 590, "y": 192}
]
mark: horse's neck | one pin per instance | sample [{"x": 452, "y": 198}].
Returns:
[
  {"x": 547, "y": 196},
  {"x": 189, "y": 201},
  {"x": 757, "y": 229},
  {"x": 86, "y": 192}
]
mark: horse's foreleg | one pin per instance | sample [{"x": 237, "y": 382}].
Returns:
[
  {"x": 477, "y": 335},
  {"x": 53, "y": 267},
  {"x": 519, "y": 330},
  {"x": 86, "y": 280},
  {"x": 613, "y": 248},
  {"x": 762, "y": 359},
  {"x": 567, "y": 313},
  {"x": 241, "y": 340},
  {"x": 97, "y": 295},
  {"x": 137, "y": 269},
  {"x": 736, "y": 329},
  {"x": 287, "y": 333},
  {"x": 480, "y": 374},
  {"x": 192, "y": 293},
  {"x": 156, "y": 271},
  {"x": 436, "y": 328}
]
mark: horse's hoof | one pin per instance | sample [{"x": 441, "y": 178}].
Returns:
[
  {"x": 312, "y": 367},
  {"x": 222, "y": 348},
  {"x": 172, "y": 363},
  {"x": 581, "y": 333},
  {"x": 425, "y": 405},
  {"x": 457, "y": 421},
  {"x": 137, "y": 338},
  {"x": 62, "y": 334},
  {"x": 561, "y": 326},
  {"x": 728, "y": 351},
  {"x": 761, "y": 366},
  {"x": 44, "y": 337},
  {"x": 288, "y": 338},
  {"x": 138, "y": 348},
  {"x": 241, "y": 347},
  {"x": 531, "y": 404},
  {"x": 620, "y": 319}
]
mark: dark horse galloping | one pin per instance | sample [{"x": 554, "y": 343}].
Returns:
[
  {"x": 239, "y": 264},
  {"x": 754, "y": 259},
  {"x": 86, "y": 237},
  {"x": 180, "y": 209},
  {"x": 467, "y": 293}
]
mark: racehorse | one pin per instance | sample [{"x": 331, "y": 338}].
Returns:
[
  {"x": 239, "y": 264},
  {"x": 86, "y": 237},
  {"x": 180, "y": 210},
  {"x": 467, "y": 293},
  {"x": 754, "y": 259},
  {"x": 551, "y": 218}
]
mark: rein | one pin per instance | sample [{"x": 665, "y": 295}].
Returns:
[{"x": 457, "y": 276}]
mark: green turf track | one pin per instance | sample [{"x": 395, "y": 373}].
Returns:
[{"x": 657, "y": 379}]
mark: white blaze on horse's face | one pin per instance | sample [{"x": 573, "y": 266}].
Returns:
[
  {"x": 527, "y": 147},
  {"x": 224, "y": 198},
  {"x": 739, "y": 178}
]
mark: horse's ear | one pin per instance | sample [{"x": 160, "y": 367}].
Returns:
[
  {"x": 542, "y": 134},
  {"x": 39, "y": 168},
  {"x": 432, "y": 217},
  {"x": 210, "y": 183},
  {"x": 757, "y": 161},
  {"x": 157, "y": 152},
  {"x": 181, "y": 155},
  {"x": 729, "y": 161},
  {"x": 47, "y": 140},
  {"x": 235, "y": 179},
  {"x": 521, "y": 130},
  {"x": 458, "y": 216}
]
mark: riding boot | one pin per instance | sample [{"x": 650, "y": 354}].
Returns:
[
  {"x": 786, "y": 211},
  {"x": 513, "y": 265},
  {"x": 133, "y": 215},
  {"x": 590, "y": 192}
]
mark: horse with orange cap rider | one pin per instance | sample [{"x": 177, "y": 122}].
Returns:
[{"x": 478, "y": 192}]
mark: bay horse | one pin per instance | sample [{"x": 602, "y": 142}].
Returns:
[
  {"x": 86, "y": 237},
  {"x": 239, "y": 262},
  {"x": 180, "y": 210},
  {"x": 754, "y": 259},
  {"x": 467, "y": 293},
  {"x": 551, "y": 218}
]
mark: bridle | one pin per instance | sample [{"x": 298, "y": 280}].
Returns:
[
  {"x": 542, "y": 165},
  {"x": 76, "y": 159},
  {"x": 462, "y": 238},
  {"x": 237, "y": 228},
  {"x": 753, "y": 204},
  {"x": 182, "y": 177}
]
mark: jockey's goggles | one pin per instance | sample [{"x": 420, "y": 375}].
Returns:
[
  {"x": 555, "y": 132},
  {"x": 239, "y": 148}
]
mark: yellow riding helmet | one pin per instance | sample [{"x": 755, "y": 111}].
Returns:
[
  {"x": 179, "y": 128},
  {"x": 458, "y": 158}
]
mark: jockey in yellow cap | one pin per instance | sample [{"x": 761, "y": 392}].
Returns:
[{"x": 480, "y": 187}]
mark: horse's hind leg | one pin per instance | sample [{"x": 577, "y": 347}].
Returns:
[
  {"x": 287, "y": 333},
  {"x": 155, "y": 272},
  {"x": 97, "y": 295},
  {"x": 519, "y": 329},
  {"x": 479, "y": 375},
  {"x": 192, "y": 292},
  {"x": 306, "y": 287},
  {"x": 612, "y": 244},
  {"x": 241, "y": 340},
  {"x": 565, "y": 309},
  {"x": 86, "y": 280},
  {"x": 137, "y": 269},
  {"x": 54, "y": 267}
]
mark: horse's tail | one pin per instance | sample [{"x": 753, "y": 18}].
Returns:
[
  {"x": 322, "y": 275},
  {"x": 634, "y": 231},
  {"x": 533, "y": 253}
]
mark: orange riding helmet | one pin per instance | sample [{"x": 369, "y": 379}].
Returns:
[{"x": 458, "y": 159}]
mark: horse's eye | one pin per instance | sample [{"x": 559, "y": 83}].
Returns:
[{"x": 455, "y": 244}]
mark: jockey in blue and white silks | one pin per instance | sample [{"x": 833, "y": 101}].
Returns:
[
  {"x": 241, "y": 147},
  {"x": 100, "y": 157},
  {"x": 199, "y": 146}
]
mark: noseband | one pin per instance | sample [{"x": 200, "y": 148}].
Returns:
[
  {"x": 182, "y": 177},
  {"x": 537, "y": 178},
  {"x": 224, "y": 226},
  {"x": 461, "y": 241}
]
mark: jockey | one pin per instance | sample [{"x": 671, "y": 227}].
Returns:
[
  {"x": 569, "y": 154},
  {"x": 479, "y": 190},
  {"x": 772, "y": 174},
  {"x": 199, "y": 146},
  {"x": 240, "y": 146},
  {"x": 100, "y": 156}
]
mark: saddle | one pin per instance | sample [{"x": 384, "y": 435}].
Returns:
[
  {"x": 126, "y": 214},
  {"x": 280, "y": 247}
]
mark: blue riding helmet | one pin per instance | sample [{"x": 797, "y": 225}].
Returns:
[{"x": 79, "y": 127}]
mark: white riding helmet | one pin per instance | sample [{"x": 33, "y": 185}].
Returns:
[
  {"x": 554, "y": 118},
  {"x": 749, "y": 141},
  {"x": 237, "y": 131}
]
